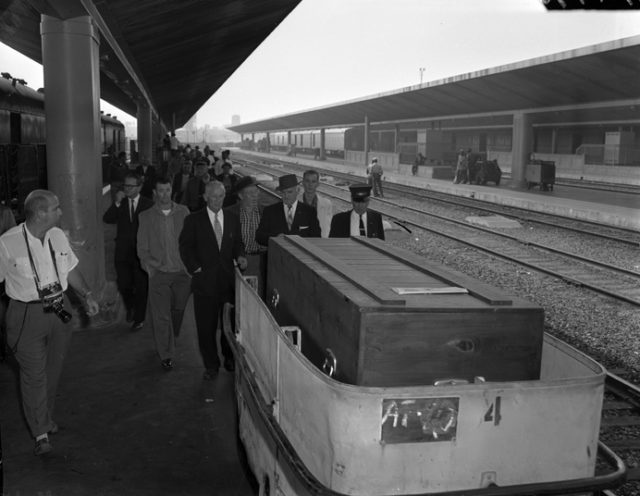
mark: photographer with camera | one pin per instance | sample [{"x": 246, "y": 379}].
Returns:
[{"x": 37, "y": 265}]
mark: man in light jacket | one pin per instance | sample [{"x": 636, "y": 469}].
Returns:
[{"x": 169, "y": 282}]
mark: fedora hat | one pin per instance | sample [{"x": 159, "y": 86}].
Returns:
[{"x": 287, "y": 181}]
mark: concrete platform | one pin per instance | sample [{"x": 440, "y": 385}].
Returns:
[
  {"x": 126, "y": 426},
  {"x": 621, "y": 210}
]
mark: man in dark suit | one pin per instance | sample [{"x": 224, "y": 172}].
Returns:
[
  {"x": 192, "y": 196},
  {"x": 289, "y": 216},
  {"x": 149, "y": 176},
  {"x": 210, "y": 243},
  {"x": 360, "y": 221},
  {"x": 131, "y": 279}
]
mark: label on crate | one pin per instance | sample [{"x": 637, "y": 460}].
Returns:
[{"x": 419, "y": 420}]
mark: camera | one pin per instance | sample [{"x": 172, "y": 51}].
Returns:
[{"x": 52, "y": 301}]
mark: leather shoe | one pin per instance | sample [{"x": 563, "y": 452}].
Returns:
[
  {"x": 43, "y": 446},
  {"x": 136, "y": 326},
  {"x": 210, "y": 374},
  {"x": 167, "y": 364},
  {"x": 229, "y": 365}
]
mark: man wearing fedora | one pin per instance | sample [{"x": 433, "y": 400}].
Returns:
[
  {"x": 359, "y": 221},
  {"x": 289, "y": 216}
]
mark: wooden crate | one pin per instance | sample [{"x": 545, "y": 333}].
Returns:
[{"x": 340, "y": 292}]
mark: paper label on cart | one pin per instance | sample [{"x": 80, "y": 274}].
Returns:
[
  {"x": 419, "y": 420},
  {"x": 447, "y": 290}
]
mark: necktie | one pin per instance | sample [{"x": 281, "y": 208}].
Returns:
[
  {"x": 131, "y": 209},
  {"x": 289, "y": 218},
  {"x": 361, "y": 226},
  {"x": 217, "y": 229}
]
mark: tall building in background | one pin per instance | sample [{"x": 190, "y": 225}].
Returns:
[{"x": 235, "y": 120}]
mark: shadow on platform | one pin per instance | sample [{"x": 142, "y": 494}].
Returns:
[{"x": 126, "y": 426}]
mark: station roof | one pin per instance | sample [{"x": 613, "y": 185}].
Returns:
[
  {"x": 175, "y": 54},
  {"x": 570, "y": 85}
]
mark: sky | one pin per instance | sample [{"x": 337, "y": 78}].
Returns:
[{"x": 329, "y": 51}]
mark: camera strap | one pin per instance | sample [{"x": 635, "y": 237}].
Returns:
[{"x": 36, "y": 279}]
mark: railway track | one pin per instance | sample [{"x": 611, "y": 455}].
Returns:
[
  {"x": 615, "y": 234},
  {"x": 604, "y": 278},
  {"x": 620, "y": 427}
]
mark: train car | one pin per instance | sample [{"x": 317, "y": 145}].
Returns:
[
  {"x": 308, "y": 142},
  {"x": 23, "y": 142},
  {"x": 373, "y": 417}
]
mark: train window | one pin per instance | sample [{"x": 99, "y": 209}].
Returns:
[{"x": 16, "y": 128}]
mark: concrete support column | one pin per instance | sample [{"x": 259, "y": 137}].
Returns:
[
  {"x": 70, "y": 59},
  {"x": 522, "y": 141},
  {"x": 289, "y": 138},
  {"x": 323, "y": 154},
  {"x": 366, "y": 140},
  {"x": 268, "y": 143},
  {"x": 554, "y": 139},
  {"x": 145, "y": 132}
]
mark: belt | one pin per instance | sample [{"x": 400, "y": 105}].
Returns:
[{"x": 33, "y": 302}]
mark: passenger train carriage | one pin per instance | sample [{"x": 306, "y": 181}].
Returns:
[
  {"x": 370, "y": 371},
  {"x": 23, "y": 141}
]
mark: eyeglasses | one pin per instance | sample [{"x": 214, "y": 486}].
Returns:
[{"x": 131, "y": 185}]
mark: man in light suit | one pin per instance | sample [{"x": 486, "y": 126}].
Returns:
[
  {"x": 210, "y": 244},
  {"x": 360, "y": 221},
  {"x": 323, "y": 206},
  {"x": 289, "y": 216}
]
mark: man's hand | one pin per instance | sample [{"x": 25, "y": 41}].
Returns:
[
  {"x": 92, "y": 305},
  {"x": 119, "y": 197},
  {"x": 242, "y": 263}
]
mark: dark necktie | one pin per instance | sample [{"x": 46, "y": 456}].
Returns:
[
  {"x": 131, "y": 209},
  {"x": 361, "y": 226}
]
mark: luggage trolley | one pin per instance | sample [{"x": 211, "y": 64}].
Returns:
[
  {"x": 542, "y": 173},
  {"x": 306, "y": 432}
]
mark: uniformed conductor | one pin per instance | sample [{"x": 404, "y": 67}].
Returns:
[
  {"x": 359, "y": 221},
  {"x": 37, "y": 264}
]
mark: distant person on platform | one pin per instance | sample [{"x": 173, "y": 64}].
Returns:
[
  {"x": 37, "y": 265},
  {"x": 193, "y": 194},
  {"x": 462, "y": 168},
  {"x": 180, "y": 180},
  {"x": 149, "y": 175},
  {"x": 322, "y": 205},
  {"x": 376, "y": 178},
  {"x": 130, "y": 278},
  {"x": 174, "y": 143},
  {"x": 217, "y": 166},
  {"x": 169, "y": 282},
  {"x": 228, "y": 179},
  {"x": 289, "y": 216},
  {"x": 359, "y": 221}
]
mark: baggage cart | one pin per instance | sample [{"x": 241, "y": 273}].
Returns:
[{"x": 541, "y": 173}]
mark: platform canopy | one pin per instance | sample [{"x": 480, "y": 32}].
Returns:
[
  {"x": 174, "y": 54},
  {"x": 594, "y": 83}
]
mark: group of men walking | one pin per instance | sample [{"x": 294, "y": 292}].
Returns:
[{"x": 163, "y": 254}]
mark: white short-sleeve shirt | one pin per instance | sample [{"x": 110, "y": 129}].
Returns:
[{"x": 15, "y": 267}]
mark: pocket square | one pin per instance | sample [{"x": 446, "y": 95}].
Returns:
[{"x": 303, "y": 227}]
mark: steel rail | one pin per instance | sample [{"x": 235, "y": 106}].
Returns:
[{"x": 553, "y": 271}]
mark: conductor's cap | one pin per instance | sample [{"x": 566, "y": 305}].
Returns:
[{"x": 360, "y": 192}]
